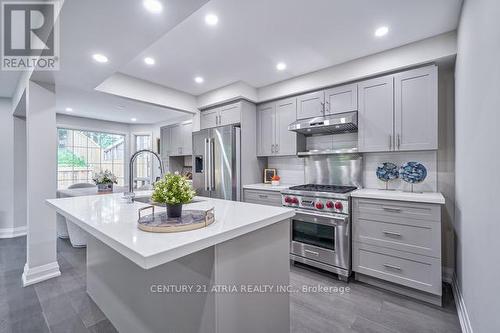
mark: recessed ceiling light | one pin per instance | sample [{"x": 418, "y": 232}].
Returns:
[
  {"x": 149, "y": 61},
  {"x": 133, "y": 119},
  {"x": 381, "y": 31},
  {"x": 100, "y": 58},
  {"x": 211, "y": 19},
  {"x": 198, "y": 79},
  {"x": 154, "y": 6},
  {"x": 69, "y": 109},
  {"x": 281, "y": 66}
]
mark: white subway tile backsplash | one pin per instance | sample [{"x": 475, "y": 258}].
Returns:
[{"x": 289, "y": 168}]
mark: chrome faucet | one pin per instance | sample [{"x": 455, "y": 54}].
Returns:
[{"x": 130, "y": 194}]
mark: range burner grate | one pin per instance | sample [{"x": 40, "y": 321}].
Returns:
[{"x": 324, "y": 188}]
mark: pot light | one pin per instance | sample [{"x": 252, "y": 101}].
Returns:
[
  {"x": 154, "y": 6},
  {"x": 149, "y": 61},
  {"x": 69, "y": 109},
  {"x": 198, "y": 79},
  {"x": 281, "y": 66},
  {"x": 381, "y": 31},
  {"x": 211, "y": 19},
  {"x": 100, "y": 58},
  {"x": 133, "y": 119}
]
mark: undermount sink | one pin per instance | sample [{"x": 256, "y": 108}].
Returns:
[{"x": 148, "y": 201}]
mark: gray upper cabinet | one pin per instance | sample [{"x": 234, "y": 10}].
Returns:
[
  {"x": 311, "y": 105},
  {"x": 341, "y": 99},
  {"x": 399, "y": 112},
  {"x": 176, "y": 140},
  {"x": 221, "y": 116},
  {"x": 416, "y": 109},
  {"x": 273, "y": 136},
  {"x": 375, "y": 114},
  {"x": 187, "y": 138},
  {"x": 209, "y": 118},
  {"x": 266, "y": 129},
  {"x": 286, "y": 141}
]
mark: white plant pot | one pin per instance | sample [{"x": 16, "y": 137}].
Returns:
[{"x": 275, "y": 182}]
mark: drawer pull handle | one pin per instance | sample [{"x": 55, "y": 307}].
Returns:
[
  {"x": 392, "y": 267},
  {"x": 312, "y": 252},
  {"x": 263, "y": 196},
  {"x": 390, "y": 233},
  {"x": 391, "y": 209}
]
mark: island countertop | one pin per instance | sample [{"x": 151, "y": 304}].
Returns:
[{"x": 112, "y": 220}]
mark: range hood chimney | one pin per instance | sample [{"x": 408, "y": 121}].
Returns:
[{"x": 346, "y": 122}]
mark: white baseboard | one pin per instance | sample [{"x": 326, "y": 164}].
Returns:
[
  {"x": 13, "y": 232},
  {"x": 463, "y": 315},
  {"x": 40, "y": 273},
  {"x": 448, "y": 274}
]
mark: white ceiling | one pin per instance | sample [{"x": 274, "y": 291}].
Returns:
[
  {"x": 97, "y": 105},
  {"x": 252, "y": 36}
]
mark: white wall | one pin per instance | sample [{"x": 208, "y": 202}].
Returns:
[
  {"x": 6, "y": 168},
  {"x": 477, "y": 120}
]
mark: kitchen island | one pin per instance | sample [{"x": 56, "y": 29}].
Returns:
[{"x": 221, "y": 278}]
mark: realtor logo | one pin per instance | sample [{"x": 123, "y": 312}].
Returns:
[{"x": 30, "y": 36}]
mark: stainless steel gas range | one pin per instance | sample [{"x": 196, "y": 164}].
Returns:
[{"x": 321, "y": 229}]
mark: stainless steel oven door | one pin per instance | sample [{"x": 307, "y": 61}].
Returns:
[{"x": 321, "y": 237}]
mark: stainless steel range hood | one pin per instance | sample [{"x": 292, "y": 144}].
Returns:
[{"x": 329, "y": 124}]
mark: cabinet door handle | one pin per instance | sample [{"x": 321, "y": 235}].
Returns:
[
  {"x": 391, "y": 209},
  {"x": 390, "y": 233},
  {"x": 312, "y": 252},
  {"x": 392, "y": 267},
  {"x": 272, "y": 148},
  {"x": 277, "y": 148},
  {"x": 398, "y": 141},
  {"x": 263, "y": 196},
  {"x": 328, "y": 106},
  {"x": 323, "y": 108},
  {"x": 390, "y": 142}
]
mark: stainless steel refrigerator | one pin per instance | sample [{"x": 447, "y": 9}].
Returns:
[{"x": 216, "y": 162}]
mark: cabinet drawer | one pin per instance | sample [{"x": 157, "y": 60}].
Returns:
[
  {"x": 366, "y": 208},
  {"x": 262, "y": 197},
  {"x": 424, "y": 239},
  {"x": 411, "y": 270}
]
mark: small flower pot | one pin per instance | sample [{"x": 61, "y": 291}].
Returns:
[
  {"x": 107, "y": 187},
  {"x": 275, "y": 182},
  {"x": 174, "y": 210}
]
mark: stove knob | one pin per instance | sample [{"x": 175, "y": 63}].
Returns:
[
  {"x": 288, "y": 200},
  {"x": 338, "y": 205},
  {"x": 295, "y": 201},
  {"x": 319, "y": 205},
  {"x": 329, "y": 204}
]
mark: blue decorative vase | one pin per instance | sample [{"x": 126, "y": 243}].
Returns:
[
  {"x": 386, "y": 172},
  {"x": 413, "y": 173}
]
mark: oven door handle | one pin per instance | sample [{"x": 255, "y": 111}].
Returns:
[{"x": 315, "y": 214}]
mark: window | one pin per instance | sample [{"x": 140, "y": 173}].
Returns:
[
  {"x": 80, "y": 154},
  {"x": 143, "y": 162}
]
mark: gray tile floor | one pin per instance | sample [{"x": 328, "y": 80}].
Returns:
[{"x": 62, "y": 305}]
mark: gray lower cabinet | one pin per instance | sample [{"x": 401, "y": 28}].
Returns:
[
  {"x": 399, "y": 242},
  {"x": 269, "y": 198}
]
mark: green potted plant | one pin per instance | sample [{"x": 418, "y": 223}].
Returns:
[
  {"x": 173, "y": 190},
  {"x": 104, "y": 181}
]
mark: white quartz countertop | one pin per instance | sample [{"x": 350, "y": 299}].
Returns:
[
  {"x": 78, "y": 192},
  {"x": 424, "y": 197},
  {"x": 267, "y": 187},
  {"x": 110, "y": 219}
]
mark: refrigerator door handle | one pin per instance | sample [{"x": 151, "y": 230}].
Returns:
[
  {"x": 206, "y": 165},
  {"x": 212, "y": 164}
]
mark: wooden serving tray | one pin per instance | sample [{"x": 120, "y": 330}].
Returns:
[{"x": 160, "y": 222}]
